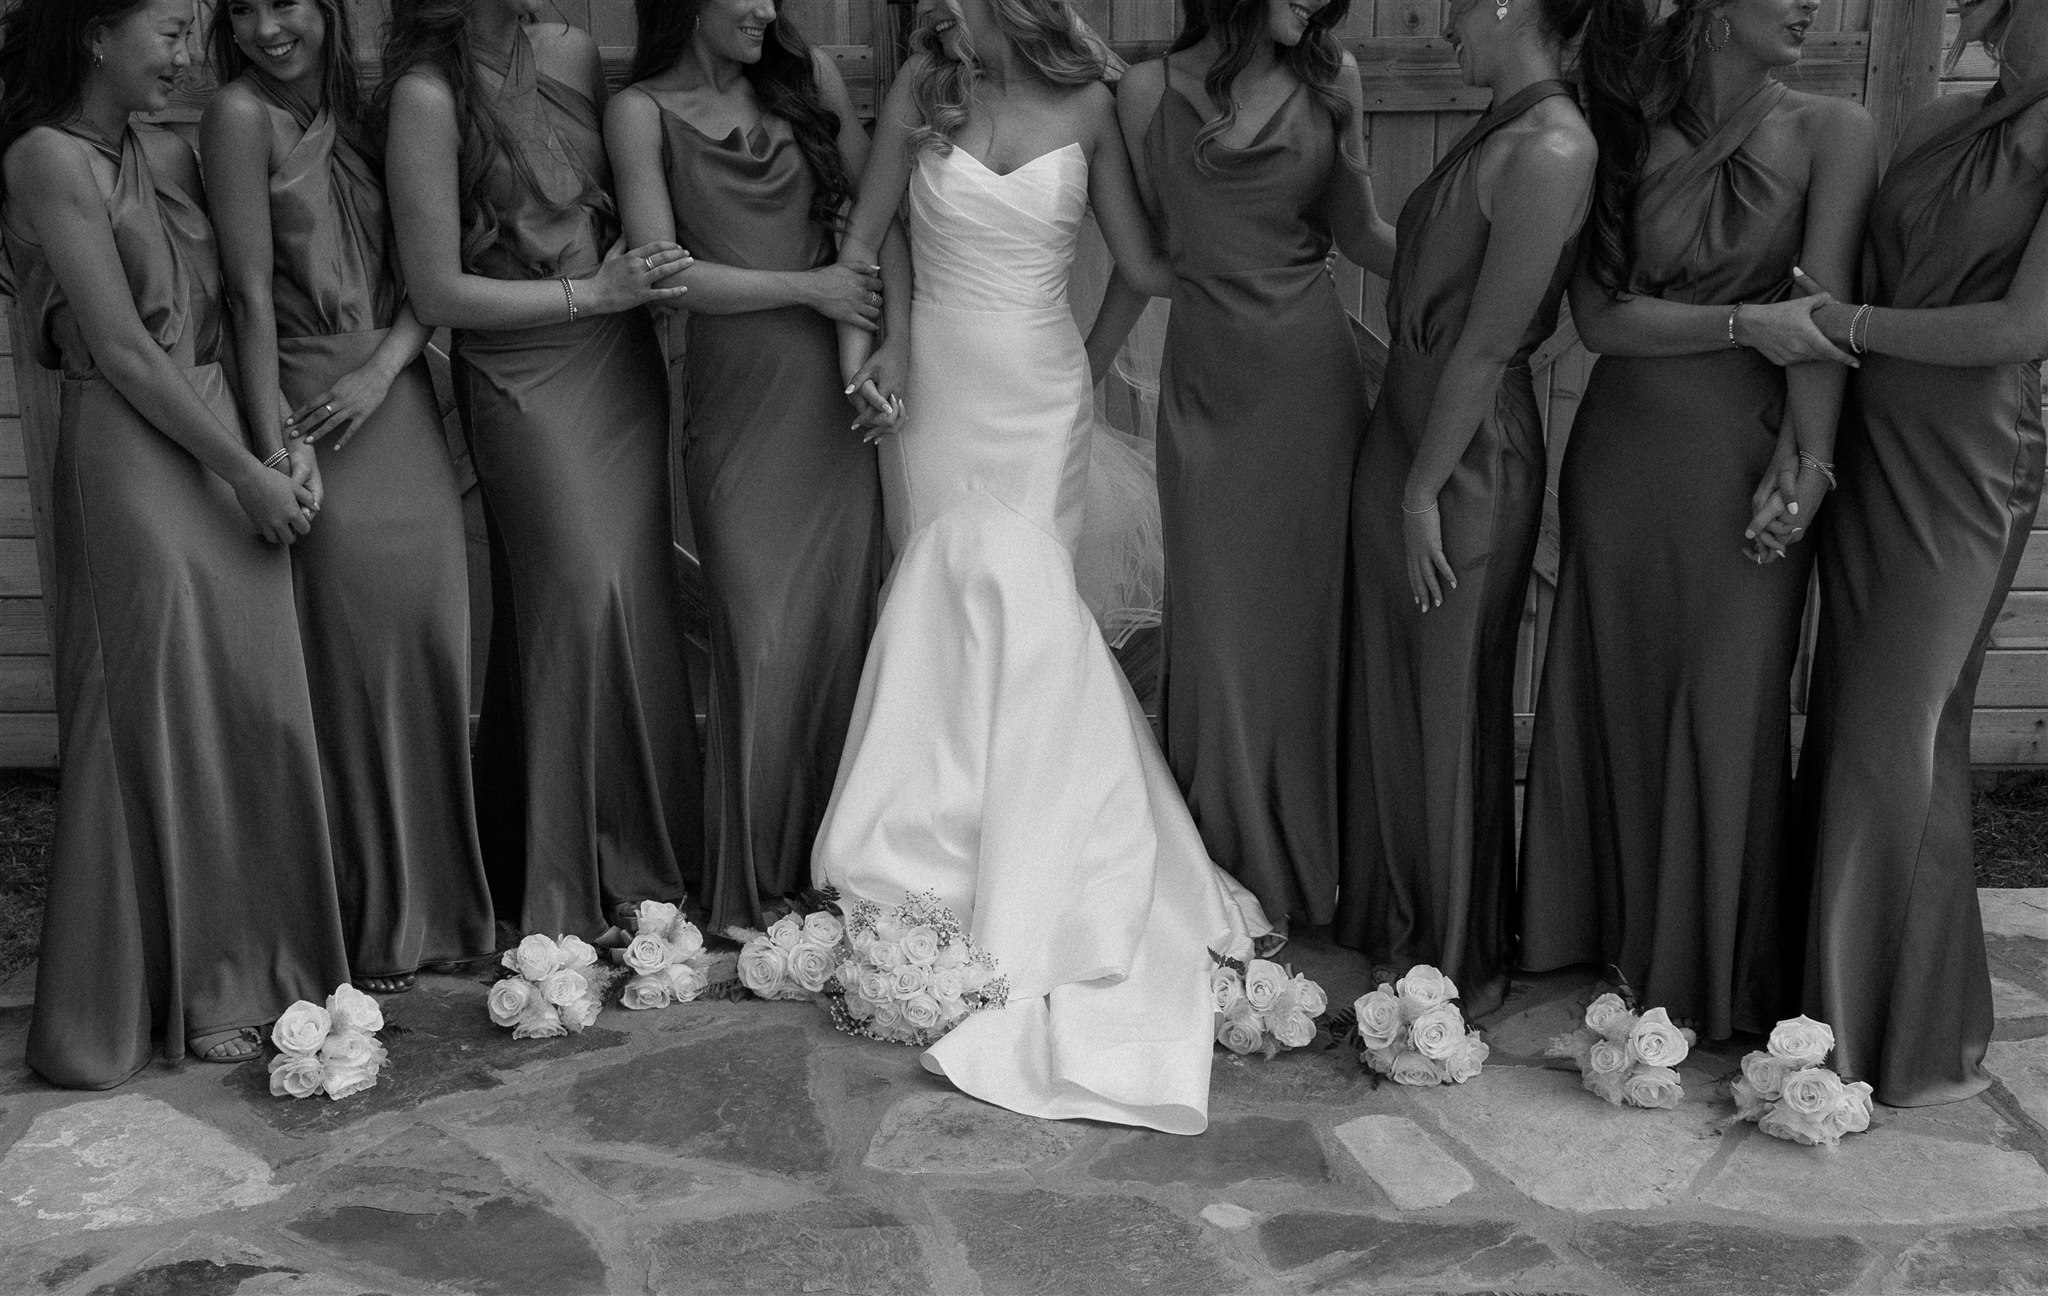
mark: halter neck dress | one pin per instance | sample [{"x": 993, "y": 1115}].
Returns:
[
  {"x": 190, "y": 885},
  {"x": 588, "y": 723},
  {"x": 383, "y": 578},
  {"x": 1940, "y": 472},
  {"x": 1429, "y": 785},
  {"x": 1262, "y": 403},
  {"x": 786, "y": 506},
  {"x": 1659, "y": 776}
]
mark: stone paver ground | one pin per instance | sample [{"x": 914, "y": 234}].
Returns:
[{"x": 746, "y": 1147}]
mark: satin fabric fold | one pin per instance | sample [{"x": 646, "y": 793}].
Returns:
[
  {"x": 1659, "y": 776},
  {"x": 1429, "y": 773},
  {"x": 1262, "y": 403},
  {"x": 1940, "y": 472},
  {"x": 997, "y": 756},
  {"x": 190, "y": 888}
]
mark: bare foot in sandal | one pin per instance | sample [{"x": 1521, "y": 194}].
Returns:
[
  {"x": 397, "y": 983},
  {"x": 228, "y": 1046}
]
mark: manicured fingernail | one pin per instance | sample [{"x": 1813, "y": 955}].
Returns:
[{"x": 1793, "y": 508}]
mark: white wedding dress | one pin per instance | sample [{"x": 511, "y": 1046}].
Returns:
[{"x": 997, "y": 755}]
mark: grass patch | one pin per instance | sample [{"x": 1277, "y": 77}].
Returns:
[{"x": 2011, "y": 827}]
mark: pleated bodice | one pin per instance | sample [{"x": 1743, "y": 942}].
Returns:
[
  {"x": 1953, "y": 218},
  {"x": 166, "y": 247},
  {"x": 996, "y": 241},
  {"x": 1259, "y": 207},
  {"x": 1719, "y": 224},
  {"x": 744, "y": 199},
  {"x": 330, "y": 234},
  {"x": 1442, "y": 238},
  {"x": 548, "y": 211}
]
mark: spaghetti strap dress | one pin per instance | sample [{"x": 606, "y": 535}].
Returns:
[
  {"x": 590, "y": 710},
  {"x": 786, "y": 504},
  {"x": 382, "y": 580},
  {"x": 1429, "y": 785},
  {"x": 1659, "y": 778},
  {"x": 190, "y": 885},
  {"x": 1262, "y": 403},
  {"x": 1940, "y": 471}
]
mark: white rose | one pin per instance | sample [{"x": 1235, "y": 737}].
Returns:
[
  {"x": 350, "y": 1049},
  {"x": 1653, "y": 1087},
  {"x": 653, "y": 917},
  {"x": 1657, "y": 1043},
  {"x": 809, "y": 966},
  {"x": 1749, "y": 1104},
  {"x": 684, "y": 982},
  {"x": 535, "y": 958},
  {"x": 921, "y": 1012},
  {"x": 885, "y": 956},
  {"x": 1783, "y": 1123},
  {"x": 951, "y": 956},
  {"x": 890, "y": 929},
  {"x": 786, "y": 933},
  {"x": 1263, "y": 980},
  {"x": 1379, "y": 1019},
  {"x": 886, "y": 1015},
  {"x": 565, "y": 986},
  {"x": 1608, "y": 1058},
  {"x": 540, "y": 1020},
  {"x": 644, "y": 992},
  {"x": 1309, "y": 997},
  {"x": 1852, "y": 1115},
  {"x": 1227, "y": 988},
  {"x": 1802, "y": 1041},
  {"x": 646, "y": 954},
  {"x": 579, "y": 1013},
  {"x": 908, "y": 980},
  {"x": 1423, "y": 989},
  {"x": 1812, "y": 1092},
  {"x": 508, "y": 999},
  {"x": 1381, "y": 1059},
  {"x": 350, "y": 1009},
  {"x": 1609, "y": 1017},
  {"x": 1239, "y": 1030},
  {"x": 294, "y": 1075},
  {"x": 684, "y": 941},
  {"x": 1295, "y": 1030},
  {"x": 823, "y": 928},
  {"x": 301, "y": 1029},
  {"x": 1411, "y": 1068},
  {"x": 920, "y": 945},
  {"x": 1464, "y": 1063},
  {"x": 872, "y": 986},
  {"x": 1607, "y": 1084},
  {"x": 576, "y": 953},
  {"x": 1766, "y": 1075},
  {"x": 762, "y": 967},
  {"x": 342, "y": 1081},
  {"x": 948, "y": 986},
  {"x": 1438, "y": 1032}
]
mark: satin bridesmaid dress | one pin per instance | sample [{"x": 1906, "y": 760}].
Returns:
[
  {"x": 1429, "y": 844},
  {"x": 1659, "y": 777},
  {"x": 786, "y": 504},
  {"x": 1940, "y": 472},
  {"x": 1262, "y": 403},
  {"x": 190, "y": 885},
  {"x": 590, "y": 712},
  {"x": 382, "y": 579}
]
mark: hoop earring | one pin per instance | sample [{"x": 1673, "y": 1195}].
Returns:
[
  {"x": 1501, "y": 14},
  {"x": 1727, "y": 34}
]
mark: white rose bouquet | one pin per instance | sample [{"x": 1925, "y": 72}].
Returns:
[
  {"x": 664, "y": 953},
  {"x": 1791, "y": 1095},
  {"x": 905, "y": 975},
  {"x": 554, "y": 987},
  {"x": 1262, "y": 1007},
  {"x": 1627, "y": 1058},
  {"x": 795, "y": 957},
  {"x": 1414, "y": 1033},
  {"x": 332, "y": 1050}
]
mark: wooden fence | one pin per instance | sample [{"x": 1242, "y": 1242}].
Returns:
[{"x": 1882, "y": 52}]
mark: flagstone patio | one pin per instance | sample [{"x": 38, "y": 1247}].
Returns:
[{"x": 745, "y": 1147}]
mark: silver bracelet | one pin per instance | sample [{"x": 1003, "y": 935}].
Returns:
[
  {"x": 1819, "y": 465},
  {"x": 278, "y": 458},
  {"x": 1418, "y": 512},
  {"x": 1860, "y": 323},
  {"x": 569, "y": 291},
  {"x": 1733, "y": 311}
]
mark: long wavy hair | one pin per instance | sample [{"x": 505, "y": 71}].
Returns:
[
  {"x": 1239, "y": 26},
  {"x": 1046, "y": 35},
  {"x": 785, "y": 83},
  {"x": 45, "y": 51},
  {"x": 1621, "y": 98},
  {"x": 340, "y": 91}
]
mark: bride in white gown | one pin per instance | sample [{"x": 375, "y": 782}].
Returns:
[{"x": 997, "y": 757}]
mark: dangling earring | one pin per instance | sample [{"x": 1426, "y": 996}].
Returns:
[
  {"x": 1501, "y": 14},
  {"x": 99, "y": 58},
  {"x": 1727, "y": 34}
]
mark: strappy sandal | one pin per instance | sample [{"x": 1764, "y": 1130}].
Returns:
[
  {"x": 396, "y": 983},
  {"x": 227, "y": 1047}
]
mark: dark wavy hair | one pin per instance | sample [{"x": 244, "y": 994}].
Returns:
[
  {"x": 785, "y": 83},
  {"x": 1612, "y": 38},
  {"x": 339, "y": 89},
  {"x": 44, "y": 58},
  {"x": 1240, "y": 25}
]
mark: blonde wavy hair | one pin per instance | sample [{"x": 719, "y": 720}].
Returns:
[{"x": 1046, "y": 35}]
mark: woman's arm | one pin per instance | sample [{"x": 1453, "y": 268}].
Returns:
[
  {"x": 878, "y": 375},
  {"x": 1362, "y": 233},
  {"x": 422, "y": 164},
  {"x": 234, "y": 149},
  {"x": 1538, "y": 202},
  {"x": 1782, "y": 332},
  {"x": 633, "y": 138},
  {"x": 50, "y": 180},
  {"x": 1113, "y": 193},
  {"x": 893, "y": 265},
  {"x": 1138, "y": 95},
  {"x": 342, "y": 409}
]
